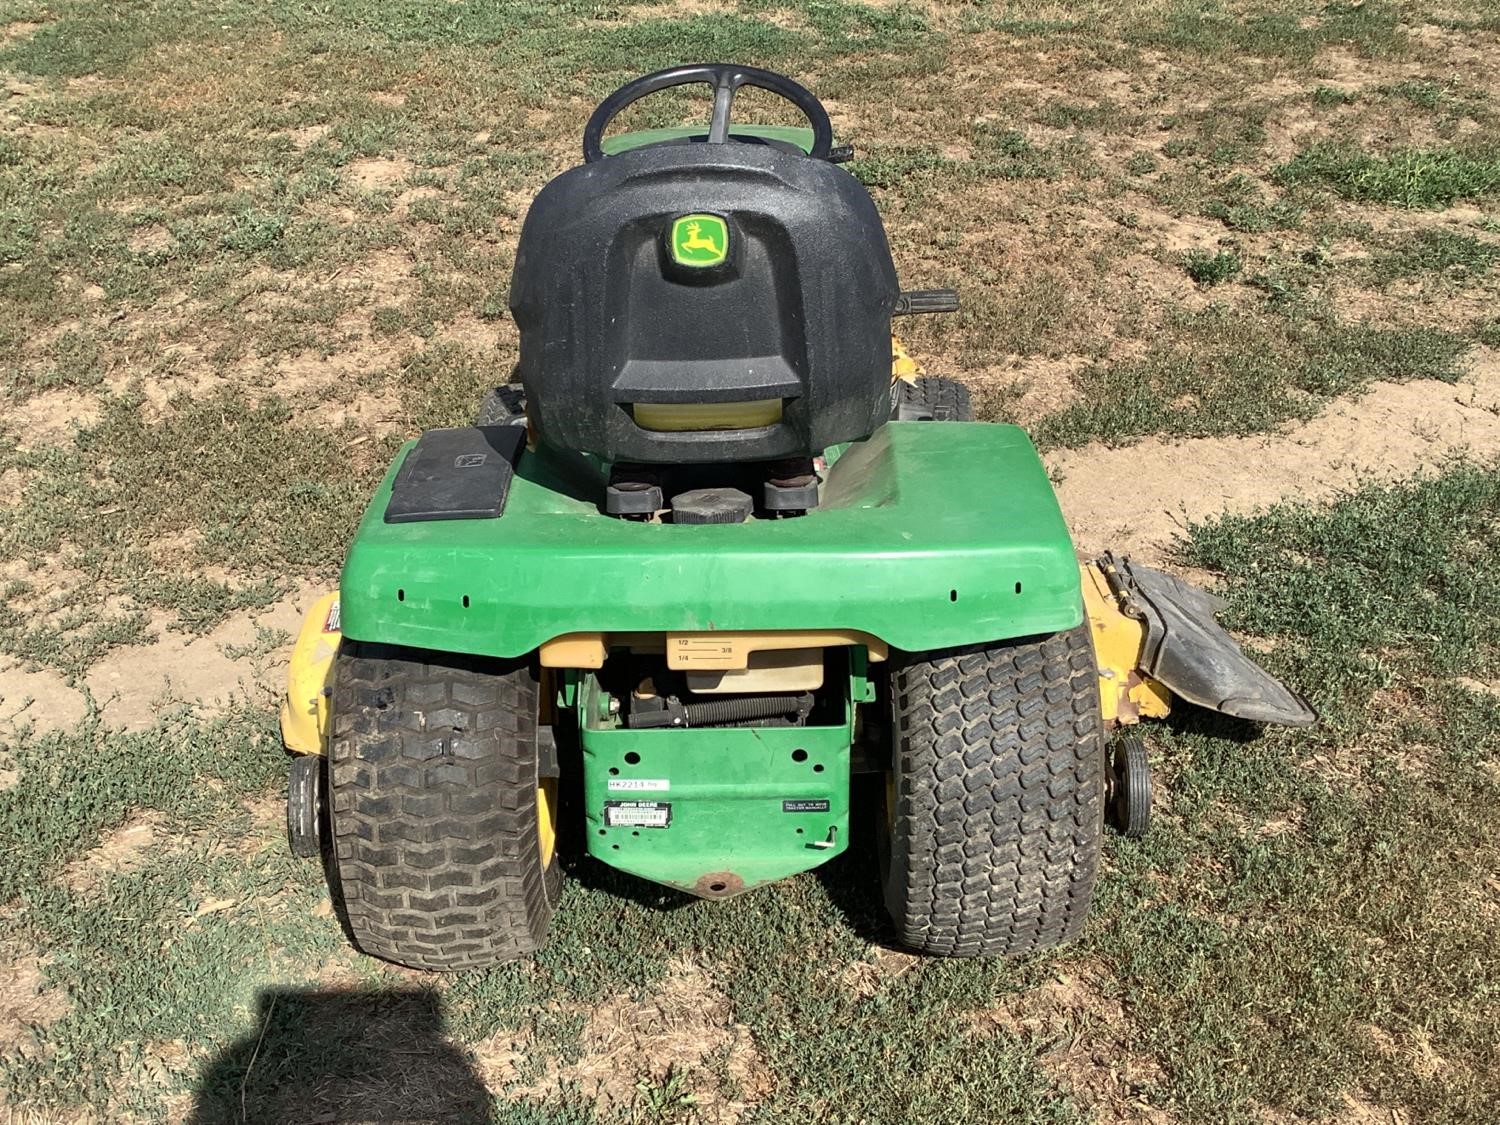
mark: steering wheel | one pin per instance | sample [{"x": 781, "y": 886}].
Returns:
[{"x": 726, "y": 79}]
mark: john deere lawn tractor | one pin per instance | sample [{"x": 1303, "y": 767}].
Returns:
[{"x": 720, "y": 548}]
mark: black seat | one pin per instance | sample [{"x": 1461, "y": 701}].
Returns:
[{"x": 643, "y": 339}]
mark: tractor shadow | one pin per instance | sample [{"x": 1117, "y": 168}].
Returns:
[
  {"x": 852, "y": 881},
  {"x": 342, "y": 1056}
]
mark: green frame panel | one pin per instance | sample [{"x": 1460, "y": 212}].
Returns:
[
  {"x": 747, "y": 806},
  {"x": 929, "y": 536}
]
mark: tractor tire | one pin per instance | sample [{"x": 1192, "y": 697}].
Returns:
[
  {"x": 443, "y": 829},
  {"x": 996, "y": 797},
  {"x": 503, "y": 406},
  {"x": 931, "y": 397}
]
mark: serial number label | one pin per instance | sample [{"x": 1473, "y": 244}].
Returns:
[
  {"x": 639, "y": 785},
  {"x": 637, "y": 814},
  {"x": 813, "y": 804}
]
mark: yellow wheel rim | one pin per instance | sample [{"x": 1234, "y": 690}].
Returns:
[{"x": 546, "y": 818}]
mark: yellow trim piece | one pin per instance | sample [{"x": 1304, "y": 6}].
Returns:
[
  {"x": 574, "y": 650},
  {"x": 699, "y": 652},
  {"x": 767, "y": 672},
  {"x": 677, "y": 417},
  {"x": 546, "y": 819},
  {"x": 304, "y": 708},
  {"x": 730, "y": 651},
  {"x": 1126, "y": 694},
  {"x": 903, "y": 366}
]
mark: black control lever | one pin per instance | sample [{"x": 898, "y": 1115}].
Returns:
[{"x": 915, "y": 301}]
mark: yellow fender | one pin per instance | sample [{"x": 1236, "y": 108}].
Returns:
[
  {"x": 903, "y": 366},
  {"x": 1126, "y": 694},
  {"x": 305, "y": 708}
]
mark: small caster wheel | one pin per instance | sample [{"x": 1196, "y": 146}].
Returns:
[
  {"x": 304, "y": 806},
  {"x": 1130, "y": 787}
]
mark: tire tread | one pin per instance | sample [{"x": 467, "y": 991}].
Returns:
[
  {"x": 999, "y": 760},
  {"x": 432, "y": 779}
]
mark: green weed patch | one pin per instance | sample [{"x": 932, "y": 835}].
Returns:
[{"x": 1416, "y": 178}]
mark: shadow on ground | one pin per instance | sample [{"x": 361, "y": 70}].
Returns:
[
  {"x": 852, "y": 881},
  {"x": 343, "y": 1056}
]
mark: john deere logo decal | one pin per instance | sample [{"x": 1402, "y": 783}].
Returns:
[{"x": 700, "y": 240}]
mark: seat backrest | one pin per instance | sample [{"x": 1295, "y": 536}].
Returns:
[{"x": 697, "y": 303}]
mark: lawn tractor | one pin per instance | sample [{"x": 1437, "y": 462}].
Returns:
[{"x": 720, "y": 547}]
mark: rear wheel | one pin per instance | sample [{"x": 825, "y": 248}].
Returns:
[
  {"x": 503, "y": 406},
  {"x": 444, "y": 826},
  {"x": 996, "y": 796},
  {"x": 931, "y": 398}
]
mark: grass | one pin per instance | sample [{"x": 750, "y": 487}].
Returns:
[
  {"x": 1327, "y": 97},
  {"x": 1455, "y": 257},
  {"x": 240, "y": 507},
  {"x": 1210, "y": 269},
  {"x": 247, "y": 249},
  {"x": 1215, "y": 373},
  {"x": 1414, "y": 178}
]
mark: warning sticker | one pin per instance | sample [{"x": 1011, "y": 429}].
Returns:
[
  {"x": 639, "y": 785},
  {"x": 637, "y": 814},
  {"x": 806, "y": 804}
]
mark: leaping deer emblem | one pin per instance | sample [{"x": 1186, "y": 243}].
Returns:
[{"x": 696, "y": 241}]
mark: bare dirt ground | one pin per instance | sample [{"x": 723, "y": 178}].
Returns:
[
  {"x": 683, "y": 1027},
  {"x": 1138, "y": 499},
  {"x": 133, "y": 684}
]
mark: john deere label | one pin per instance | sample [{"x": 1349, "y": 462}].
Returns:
[
  {"x": 637, "y": 814},
  {"x": 699, "y": 240}
]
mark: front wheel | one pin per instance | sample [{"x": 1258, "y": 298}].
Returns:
[
  {"x": 931, "y": 398},
  {"x": 444, "y": 822},
  {"x": 995, "y": 799}
]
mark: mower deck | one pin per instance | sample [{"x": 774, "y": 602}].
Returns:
[{"x": 926, "y": 537}]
